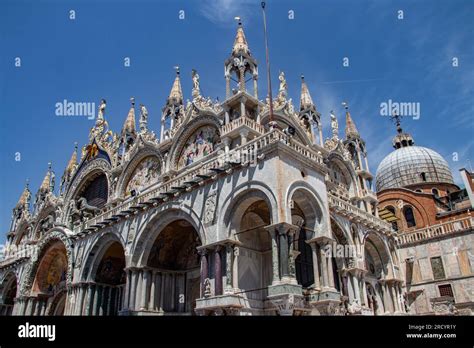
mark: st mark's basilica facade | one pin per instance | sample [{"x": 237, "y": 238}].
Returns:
[{"x": 230, "y": 211}]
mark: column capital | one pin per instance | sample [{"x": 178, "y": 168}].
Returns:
[
  {"x": 282, "y": 228},
  {"x": 321, "y": 240},
  {"x": 221, "y": 243}
]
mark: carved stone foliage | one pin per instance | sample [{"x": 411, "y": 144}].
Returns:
[
  {"x": 210, "y": 207},
  {"x": 144, "y": 174},
  {"x": 200, "y": 144}
]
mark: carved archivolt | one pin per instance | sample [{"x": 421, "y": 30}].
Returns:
[
  {"x": 97, "y": 165},
  {"x": 186, "y": 139},
  {"x": 142, "y": 171},
  {"x": 43, "y": 245}
]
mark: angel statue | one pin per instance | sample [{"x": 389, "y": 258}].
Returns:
[
  {"x": 283, "y": 84},
  {"x": 195, "y": 79},
  {"x": 334, "y": 126},
  {"x": 102, "y": 106},
  {"x": 143, "y": 118},
  {"x": 196, "y": 92}
]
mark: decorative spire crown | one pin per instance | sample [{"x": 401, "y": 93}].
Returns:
[
  {"x": 129, "y": 125},
  {"x": 305, "y": 100},
  {"x": 351, "y": 130},
  {"x": 45, "y": 185},
  {"x": 73, "y": 160},
  {"x": 240, "y": 42},
  {"x": 176, "y": 94},
  {"x": 25, "y": 196}
]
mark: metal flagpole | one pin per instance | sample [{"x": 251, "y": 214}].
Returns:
[{"x": 268, "y": 65}]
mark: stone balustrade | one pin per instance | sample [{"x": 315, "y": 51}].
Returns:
[
  {"x": 242, "y": 121},
  {"x": 351, "y": 211},
  {"x": 435, "y": 231}
]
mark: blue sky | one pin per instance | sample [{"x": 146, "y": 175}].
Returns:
[{"x": 82, "y": 60}]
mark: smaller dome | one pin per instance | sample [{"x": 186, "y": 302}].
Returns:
[{"x": 412, "y": 165}]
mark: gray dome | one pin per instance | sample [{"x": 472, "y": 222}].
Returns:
[{"x": 412, "y": 165}]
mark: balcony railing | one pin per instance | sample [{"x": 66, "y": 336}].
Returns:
[
  {"x": 350, "y": 210},
  {"x": 242, "y": 121},
  {"x": 435, "y": 231}
]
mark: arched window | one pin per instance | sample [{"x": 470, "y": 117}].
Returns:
[
  {"x": 96, "y": 191},
  {"x": 409, "y": 216},
  {"x": 423, "y": 176},
  {"x": 435, "y": 192},
  {"x": 418, "y": 190},
  {"x": 394, "y": 223}
]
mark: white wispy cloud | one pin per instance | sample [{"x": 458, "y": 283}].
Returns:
[{"x": 222, "y": 12}]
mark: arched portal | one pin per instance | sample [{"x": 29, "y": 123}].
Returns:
[
  {"x": 378, "y": 267},
  {"x": 255, "y": 252},
  {"x": 304, "y": 260},
  {"x": 174, "y": 283},
  {"x": 109, "y": 277},
  {"x": 341, "y": 259},
  {"x": 50, "y": 280},
  {"x": 8, "y": 293}
]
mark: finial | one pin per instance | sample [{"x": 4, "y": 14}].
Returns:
[
  {"x": 50, "y": 165},
  {"x": 132, "y": 100},
  {"x": 27, "y": 183},
  {"x": 239, "y": 20},
  {"x": 397, "y": 120},
  {"x": 346, "y": 106},
  {"x": 302, "y": 77},
  {"x": 75, "y": 146},
  {"x": 177, "y": 69}
]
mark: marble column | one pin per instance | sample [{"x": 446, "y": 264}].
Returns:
[
  {"x": 355, "y": 279},
  {"x": 314, "y": 251},
  {"x": 227, "y": 86},
  {"x": 96, "y": 302},
  {"x": 204, "y": 270},
  {"x": 133, "y": 288},
  {"x": 90, "y": 298},
  {"x": 393, "y": 297},
  {"x": 235, "y": 269},
  {"x": 228, "y": 268},
  {"x": 128, "y": 282},
  {"x": 243, "y": 136},
  {"x": 255, "y": 86},
  {"x": 364, "y": 292},
  {"x": 145, "y": 289},
  {"x": 350, "y": 287},
  {"x": 218, "y": 271},
  {"x": 162, "y": 291},
  {"x": 324, "y": 270},
  {"x": 83, "y": 292},
  {"x": 283, "y": 238},
  {"x": 275, "y": 257},
  {"x": 151, "y": 303},
  {"x": 330, "y": 272},
  {"x": 386, "y": 297},
  {"x": 292, "y": 255}
]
